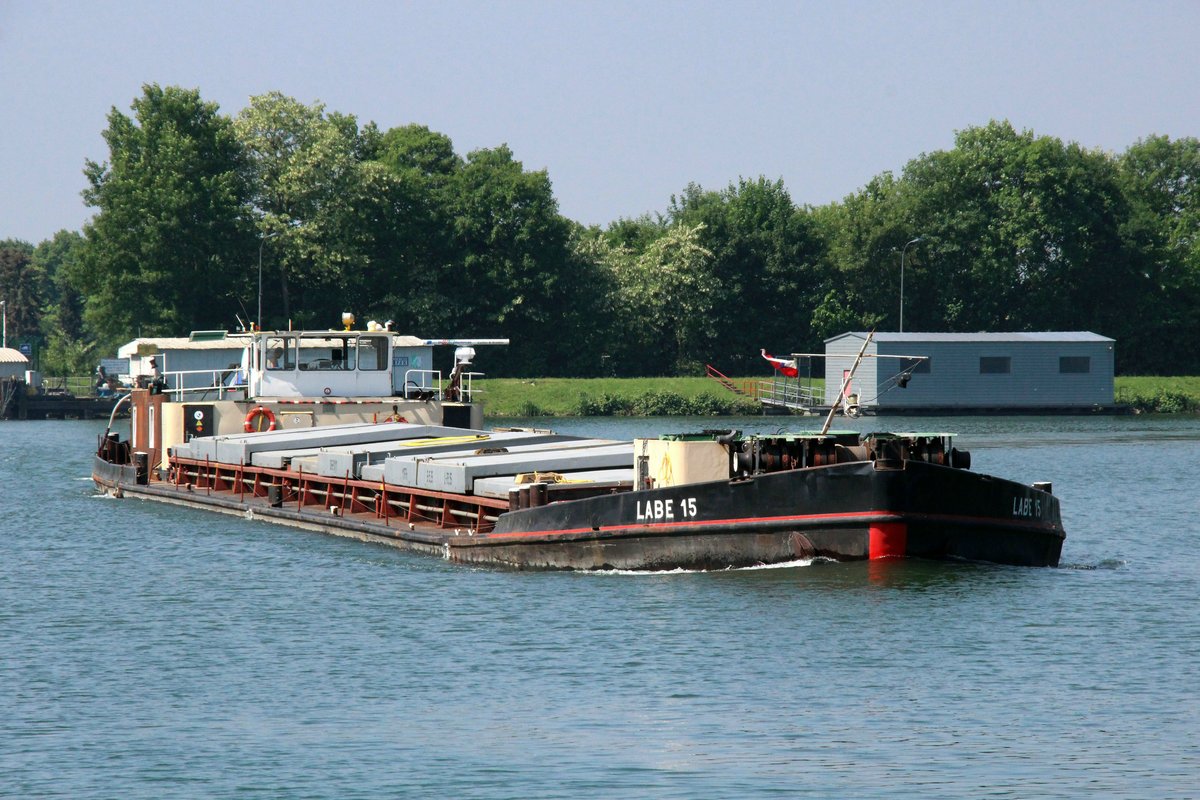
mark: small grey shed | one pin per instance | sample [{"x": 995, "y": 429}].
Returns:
[{"x": 1056, "y": 370}]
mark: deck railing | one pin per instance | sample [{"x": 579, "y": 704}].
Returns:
[{"x": 222, "y": 383}]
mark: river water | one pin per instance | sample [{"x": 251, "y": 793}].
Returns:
[{"x": 148, "y": 651}]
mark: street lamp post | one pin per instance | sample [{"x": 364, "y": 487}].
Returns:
[{"x": 902, "y": 252}]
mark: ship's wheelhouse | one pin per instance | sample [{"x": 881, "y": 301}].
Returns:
[{"x": 324, "y": 363}]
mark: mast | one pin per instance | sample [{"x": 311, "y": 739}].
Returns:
[{"x": 846, "y": 382}]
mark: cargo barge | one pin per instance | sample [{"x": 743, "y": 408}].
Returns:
[{"x": 538, "y": 500}]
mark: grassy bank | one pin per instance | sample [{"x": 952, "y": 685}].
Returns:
[
  {"x": 564, "y": 397},
  {"x": 561, "y": 397},
  {"x": 1160, "y": 395}
]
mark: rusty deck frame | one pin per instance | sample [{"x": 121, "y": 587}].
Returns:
[{"x": 392, "y": 506}]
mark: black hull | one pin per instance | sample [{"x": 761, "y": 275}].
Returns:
[{"x": 842, "y": 512}]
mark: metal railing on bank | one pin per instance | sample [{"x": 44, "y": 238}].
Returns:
[{"x": 781, "y": 392}]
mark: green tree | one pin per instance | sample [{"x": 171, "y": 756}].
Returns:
[
  {"x": 669, "y": 294},
  {"x": 766, "y": 256},
  {"x": 1021, "y": 233},
  {"x": 304, "y": 167},
  {"x": 476, "y": 247},
  {"x": 21, "y": 290},
  {"x": 414, "y": 241},
  {"x": 636, "y": 234},
  {"x": 58, "y": 259},
  {"x": 70, "y": 349},
  {"x": 17, "y": 244},
  {"x": 512, "y": 252},
  {"x": 166, "y": 251},
  {"x": 592, "y": 314},
  {"x": 837, "y": 312},
  {"x": 624, "y": 344},
  {"x": 1160, "y": 177},
  {"x": 65, "y": 356},
  {"x": 417, "y": 149},
  {"x": 859, "y": 277}
]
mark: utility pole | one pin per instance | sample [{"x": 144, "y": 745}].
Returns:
[{"x": 902, "y": 252}]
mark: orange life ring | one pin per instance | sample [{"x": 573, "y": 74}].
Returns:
[{"x": 253, "y": 417}]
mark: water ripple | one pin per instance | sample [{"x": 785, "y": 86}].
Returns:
[{"x": 150, "y": 651}]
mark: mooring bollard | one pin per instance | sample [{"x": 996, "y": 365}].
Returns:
[{"x": 141, "y": 466}]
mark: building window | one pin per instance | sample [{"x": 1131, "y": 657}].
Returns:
[
  {"x": 1074, "y": 365},
  {"x": 995, "y": 365},
  {"x": 917, "y": 366}
]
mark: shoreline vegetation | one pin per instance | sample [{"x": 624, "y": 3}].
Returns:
[
  {"x": 665, "y": 396},
  {"x": 647, "y": 397},
  {"x": 1004, "y": 230},
  {"x": 701, "y": 397},
  {"x": 1159, "y": 395}
]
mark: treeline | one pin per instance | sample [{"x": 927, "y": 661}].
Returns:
[{"x": 1016, "y": 232}]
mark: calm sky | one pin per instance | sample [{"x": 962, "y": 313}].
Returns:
[{"x": 624, "y": 103}]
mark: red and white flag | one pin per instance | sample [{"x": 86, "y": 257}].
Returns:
[{"x": 782, "y": 365}]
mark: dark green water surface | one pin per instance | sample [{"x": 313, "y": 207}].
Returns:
[{"x": 148, "y": 651}]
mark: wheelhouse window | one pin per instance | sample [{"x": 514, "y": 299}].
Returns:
[
  {"x": 322, "y": 353},
  {"x": 917, "y": 366},
  {"x": 280, "y": 352},
  {"x": 344, "y": 352},
  {"x": 1074, "y": 365},
  {"x": 371, "y": 353},
  {"x": 995, "y": 365}
]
